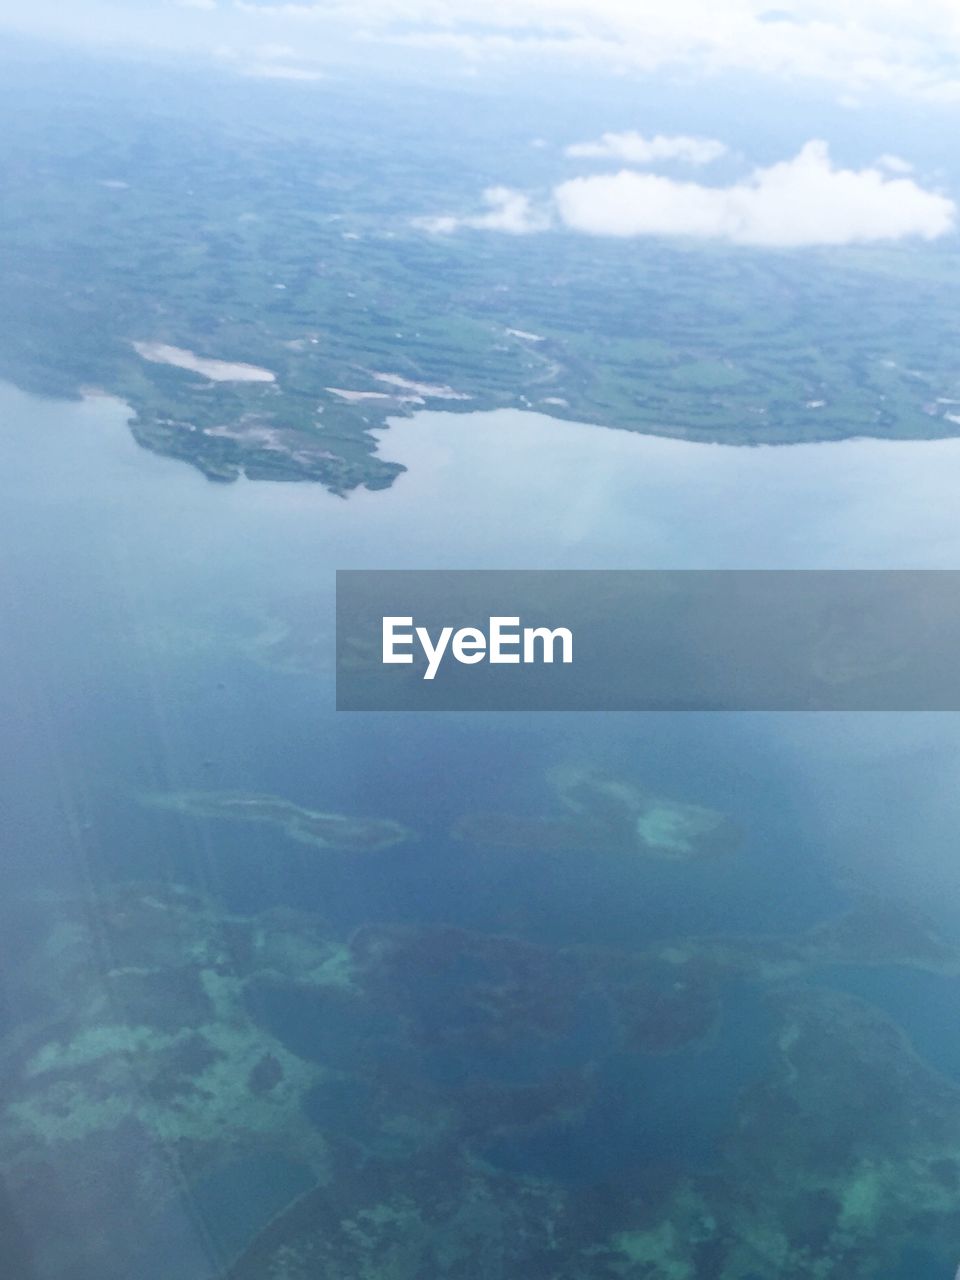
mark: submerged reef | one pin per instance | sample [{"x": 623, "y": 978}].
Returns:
[
  {"x": 844, "y": 1149},
  {"x": 609, "y": 815},
  {"x": 309, "y": 826},
  {"x": 170, "y": 1043},
  {"x": 438, "y": 1215},
  {"x": 142, "y": 1071}
]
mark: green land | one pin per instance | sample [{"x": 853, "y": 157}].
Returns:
[{"x": 233, "y": 227}]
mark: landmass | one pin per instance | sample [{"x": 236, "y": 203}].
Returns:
[
  {"x": 258, "y": 287},
  {"x": 309, "y": 826}
]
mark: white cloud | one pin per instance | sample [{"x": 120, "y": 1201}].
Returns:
[
  {"x": 894, "y": 164},
  {"x": 849, "y": 47},
  {"x": 803, "y": 201},
  {"x": 634, "y": 148},
  {"x": 799, "y": 202},
  {"x": 508, "y": 210},
  {"x": 909, "y": 46}
]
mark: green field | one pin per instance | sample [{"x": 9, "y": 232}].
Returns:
[{"x": 244, "y": 230}]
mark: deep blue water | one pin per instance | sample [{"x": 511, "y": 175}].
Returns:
[{"x": 127, "y": 667}]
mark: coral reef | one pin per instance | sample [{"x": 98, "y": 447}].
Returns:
[
  {"x": 309, "y": 826},
  {"x": 172, "y": 1043},
  {"x": 844, "y": 1150},
  {"x": 609, "y": 815},
  {"x": 437, "y": 1215}
]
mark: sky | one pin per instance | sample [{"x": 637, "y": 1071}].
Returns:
[
  {"x": 909, "y": 47},
  {"x": 629, "y": 183},
  {"x": 803, "y": 201}
]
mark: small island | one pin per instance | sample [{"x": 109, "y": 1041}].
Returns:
[
  {"x": 309, "y": 826},
  {"x": 609, "y": 815}
]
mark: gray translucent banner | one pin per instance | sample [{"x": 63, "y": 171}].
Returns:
[{"x": 636, "y": 640}]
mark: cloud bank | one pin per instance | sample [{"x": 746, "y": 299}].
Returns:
[
  {"x": 910, "y": 47},
  {"x": 907, "y": 46},
  {"x": 508, "y": 210},
  {"x": 634, "y": 148},
  {"x": 802, "y": 202}
]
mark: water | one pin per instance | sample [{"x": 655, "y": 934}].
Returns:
[{"x": 167, "y": 633}]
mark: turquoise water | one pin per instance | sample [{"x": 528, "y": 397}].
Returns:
[{"x": 168, "y": 634}]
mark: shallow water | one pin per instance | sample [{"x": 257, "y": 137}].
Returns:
[{"x": 167, "y": 633}]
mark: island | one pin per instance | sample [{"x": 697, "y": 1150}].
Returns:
[
  {"x": 608, "y": 815},
  {"x": 309, "y": 826}
]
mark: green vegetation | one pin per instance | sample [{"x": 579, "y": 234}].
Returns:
[{"x": 284, "y": 238}]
